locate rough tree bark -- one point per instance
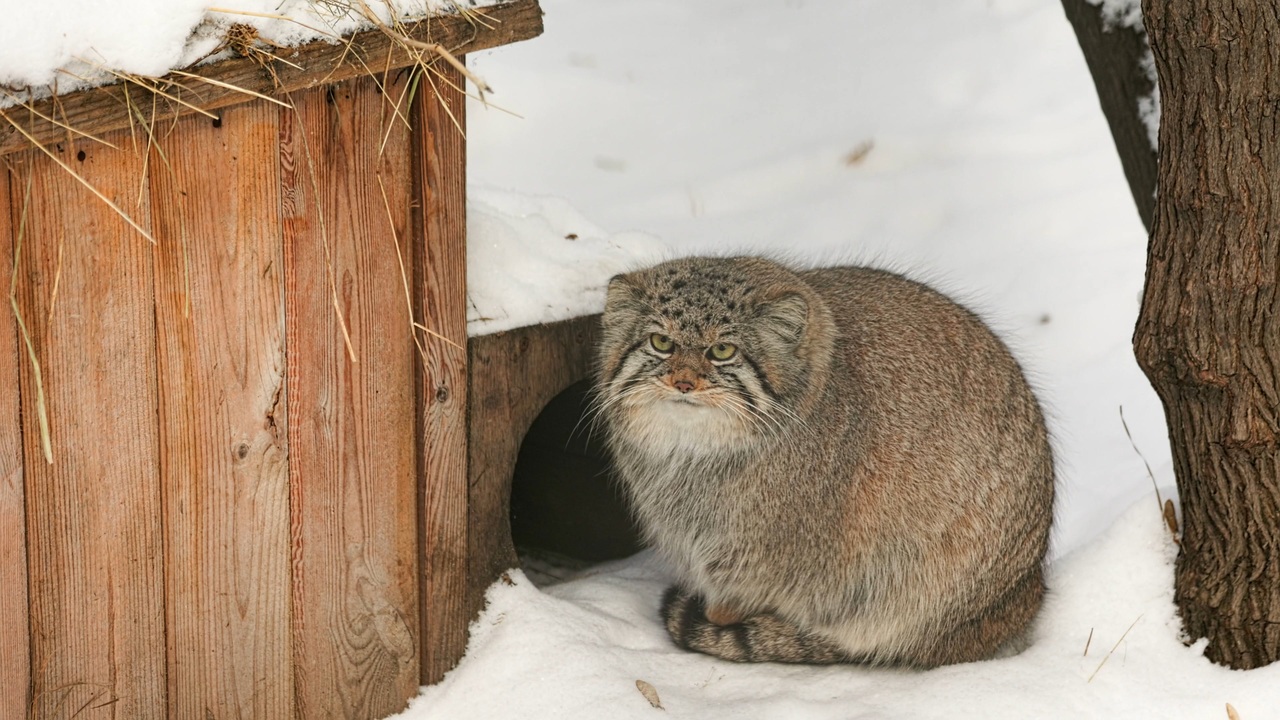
(1115, 56)
(1208, 335)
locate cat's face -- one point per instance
(698, 353)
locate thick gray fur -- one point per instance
(868, 479)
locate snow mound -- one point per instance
(577, 649)
(537, 260)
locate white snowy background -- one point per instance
(960, 142)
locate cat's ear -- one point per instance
(621, 295)
(787, 316)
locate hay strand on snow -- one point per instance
(439, 50)
(272, 16)
(1165, 506)
(1107, 657)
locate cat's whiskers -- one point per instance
(773, 420)
(786, 412)
(602, 402)
(742, 407)
(592, 416)
(730, 402)
(762, 423)
(628, 394)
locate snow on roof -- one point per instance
(65, 45)
(535, 259)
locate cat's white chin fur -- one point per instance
(668, 423)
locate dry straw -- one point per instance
(1110, 652)
(1164, 506)
(244, 41)
(42, 414)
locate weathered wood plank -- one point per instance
(95, 543)
(99, 110)
(513, 377)
(352, 467)
(15, 671)
(223, 452)
(441, 273)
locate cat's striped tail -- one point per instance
(758, 638)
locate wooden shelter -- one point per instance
(234, 461)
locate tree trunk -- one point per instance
(1208, 335)
(1115, 56)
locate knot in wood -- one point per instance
(1253, 436)
(442, 393)
(1209, 377)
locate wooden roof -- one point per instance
(101, 109)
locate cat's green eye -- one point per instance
(661, 343)
(722, 351)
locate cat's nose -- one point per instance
(683, 386)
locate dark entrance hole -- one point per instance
(567, 510)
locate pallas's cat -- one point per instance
(841, 465)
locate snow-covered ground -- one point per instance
(1106, 647)
(960, 142)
